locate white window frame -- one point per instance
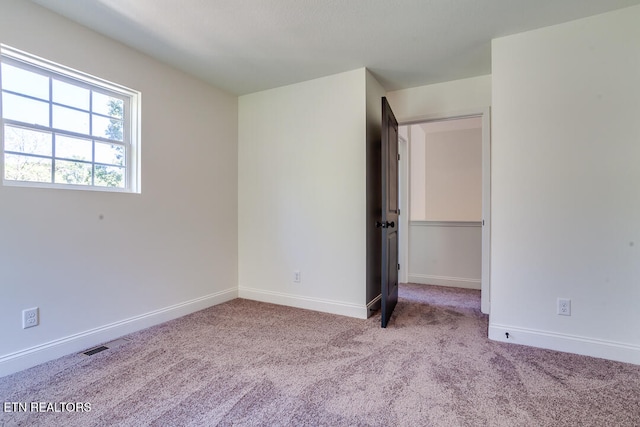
(131, 120)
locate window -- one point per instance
(66, 129)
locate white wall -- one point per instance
(445, 253)
(417, 173)
(566, 205)
(442, 99)
(156, 255)
(446, 173)
(302, 194)
(453, 177)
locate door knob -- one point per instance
(385, 224)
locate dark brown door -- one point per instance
(389, 221)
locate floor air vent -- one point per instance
(107, 346)
(95, 350)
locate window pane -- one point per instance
(26, 168)
(107, 128)
(25, 82)
(71, 120)
(68, 94)
(72, 173)
(25, 110)
(110, 176)
(73, 148)
(27, 141)
(107, 105)
(62, 129)
(111, 154)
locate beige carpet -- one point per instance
(249, 363)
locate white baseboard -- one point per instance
(36, 355)
(610, 350)
(308, 303)
(452, 282)
(374, 305)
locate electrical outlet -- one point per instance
(296, 276)
(564, 306)
(30, 318)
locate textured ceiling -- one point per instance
(244, 46)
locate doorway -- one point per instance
(445, 233)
